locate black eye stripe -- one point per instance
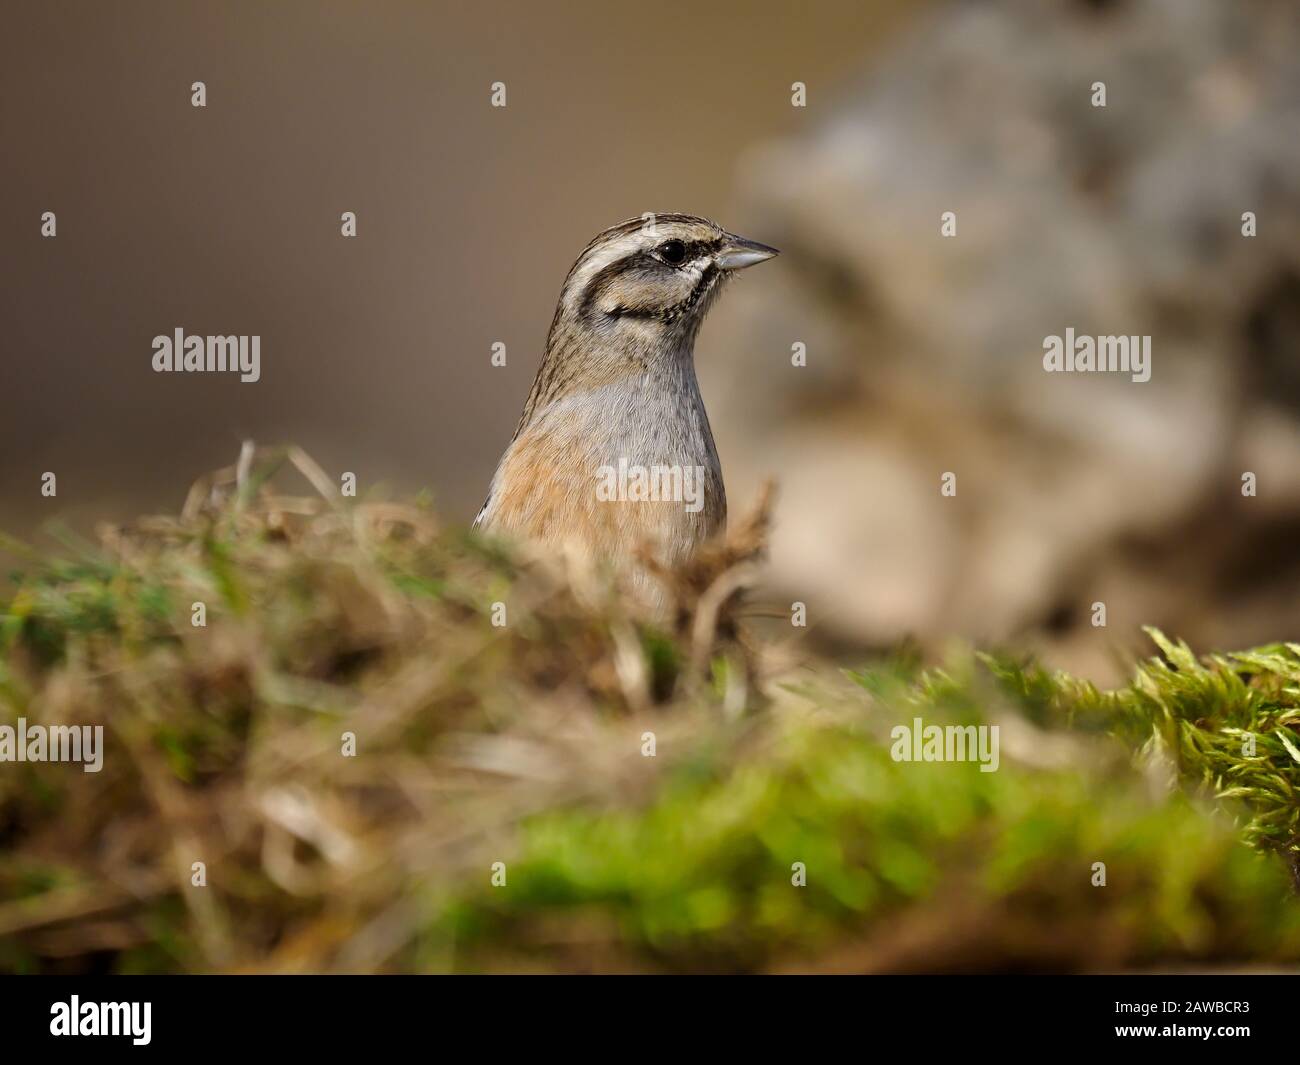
(643, 260)
(669, 314)
(693, 249)
(607, 275)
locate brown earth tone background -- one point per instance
(924, 354)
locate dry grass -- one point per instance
(523, 744)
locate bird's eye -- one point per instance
(673, 251)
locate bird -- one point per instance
(613, 453)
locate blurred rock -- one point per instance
(925, 352)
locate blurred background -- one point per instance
(923, 352)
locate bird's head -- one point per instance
(650, 280)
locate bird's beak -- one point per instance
(738, 253)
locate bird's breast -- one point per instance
(613, 468)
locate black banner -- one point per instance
(151, 1015)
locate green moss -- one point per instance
(778, 833)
